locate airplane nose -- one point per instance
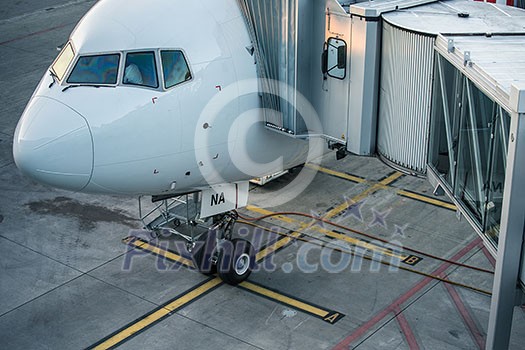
(53, 145)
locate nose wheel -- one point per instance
(232, 258)
(235, 261)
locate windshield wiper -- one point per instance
(90, 85)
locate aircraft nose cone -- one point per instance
(53, 145)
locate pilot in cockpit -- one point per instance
(132, 75)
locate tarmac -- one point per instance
(78, 271)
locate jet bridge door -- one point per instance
(333, 84)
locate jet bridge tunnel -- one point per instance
(302, 49)
(434, 88)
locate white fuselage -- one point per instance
(136, 140)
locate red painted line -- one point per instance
(489, 256)
(404, 297)
(36, 33)
(405, 328)
(344, 344)
(477, 334)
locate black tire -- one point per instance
(236, 261)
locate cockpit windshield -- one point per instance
(137, 68)
(62, 62)
(95, 69)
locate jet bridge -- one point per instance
(436, 86)
(325, 53)
(302, 49)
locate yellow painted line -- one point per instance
(380, 185)
(330, 214)
(427, 199)
(285, 299)
(385, 183)
(326, 315)
(340, 208)
(361, 243)
(336, 173)
(263, 253)
(335, 235)
(344, 206)
(337, 210)
(158, 251)
(354, 241)
(158, 314)
(263, 212)
(391, 178)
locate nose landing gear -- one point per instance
(209, 241)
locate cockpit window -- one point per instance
(174, 67)
(140, 69)
(63, 60)
(98, 69)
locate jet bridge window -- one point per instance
(97, 69)
(141, 70)
(175, 68)
(334, 58)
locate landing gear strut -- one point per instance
(209, 241)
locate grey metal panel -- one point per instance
(364, 86)
(510, 241)
(405, 97)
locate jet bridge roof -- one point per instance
(492, 35)
(372, 9)
(495, 63)
(459, 17)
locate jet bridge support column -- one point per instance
(364, 75)
(365, 58)
(505, 291)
